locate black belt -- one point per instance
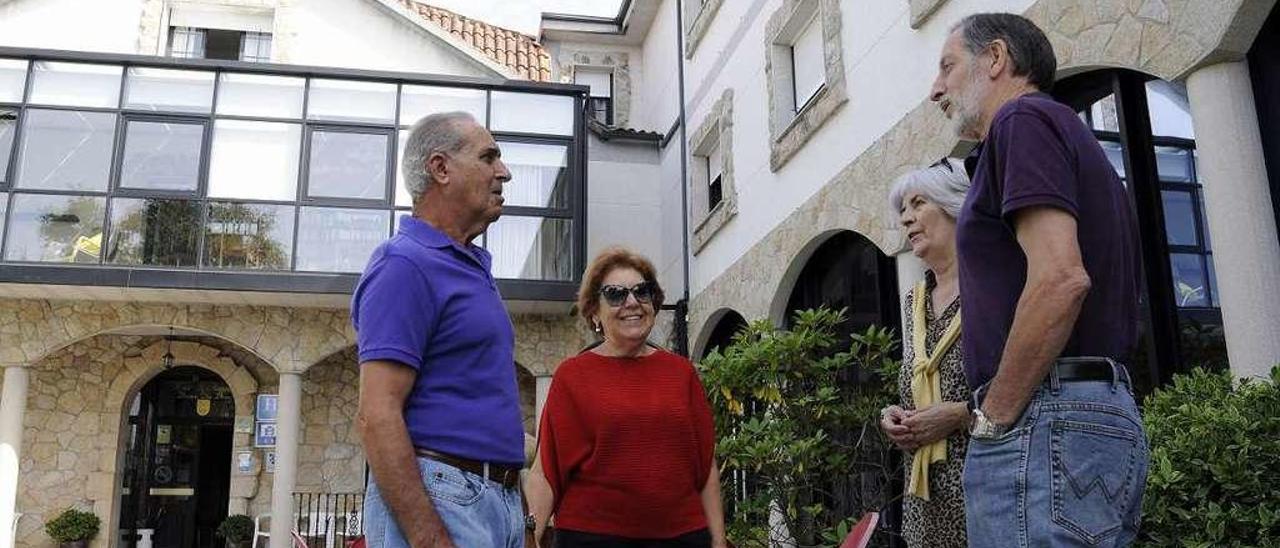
(503, 475)
(1089, 369)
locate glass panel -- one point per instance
(331, 239)
(348, 165)
(254, 160)
(169, 90)
(8, 123)
(1169, 110)
(1104, 114)
(1115, 153)
(13, 80)
(1179, 217)
(4, 207)
(352, 101)
(1188, 279)
(76, 84)
(1204, 222)
(1173, 164)
(256, 47)
(260, 95)
(186, 43)
(402, 195)
(1213, 280)
(248, 236)
(66, 150)
(531, 248)
(539, 175)
(532, 113)
(60, 229)
(807, 65)
(161, 156)
(417, 102)
(153, 232)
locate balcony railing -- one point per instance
(239, 171)
(329, 520)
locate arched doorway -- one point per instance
(729, 324)
(848, 271)
(1144, 126)
(176, 473)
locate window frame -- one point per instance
(202, 276)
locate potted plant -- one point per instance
(73, 528)
(237, 529)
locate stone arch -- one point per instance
(782, 289)
(290, 339)
(141, 369)
(718, 321)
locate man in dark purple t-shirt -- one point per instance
(1048, 260)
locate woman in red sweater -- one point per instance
(626, 446)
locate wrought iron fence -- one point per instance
(329, 520)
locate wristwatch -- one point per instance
(984, 428)
(530, 523)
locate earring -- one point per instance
(598, 329)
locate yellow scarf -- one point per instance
(926, 388)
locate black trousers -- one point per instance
(577, 539)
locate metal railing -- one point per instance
(329, 520)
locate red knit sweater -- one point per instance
(626, 444)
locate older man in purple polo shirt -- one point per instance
(1048, 258)
(439, 412)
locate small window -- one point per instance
(715, 178)
(161, 155)
(248, 236)
(348, 164)
(154, 232)
(600, 105)
(230, 45)
(807, 64)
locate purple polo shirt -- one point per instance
(1039, 153)
(432, 304)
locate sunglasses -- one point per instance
(943, 163)
(616, 295)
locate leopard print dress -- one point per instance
(939, 521)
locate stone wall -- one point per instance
(1165, 38)
(77, 400)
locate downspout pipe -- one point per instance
(682, 305)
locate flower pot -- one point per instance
(75, 544)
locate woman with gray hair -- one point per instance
(931, 423)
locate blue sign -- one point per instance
(268, 407)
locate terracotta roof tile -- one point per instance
(519, 52)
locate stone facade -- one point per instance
(1165, 38)
(715, 131)
(697, 19)
(790, 130)
(922, 9)
(76, 405)
(290, 339)
(618, 62)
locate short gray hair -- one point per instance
(1029, 49)
(440, 132)
(944, 183)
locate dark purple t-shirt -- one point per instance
(1039, 153)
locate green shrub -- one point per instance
(73, 525)
(797, 424)
(1215, 462)
(236, 529)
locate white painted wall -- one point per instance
(363, 34)
(98, 25)
(883, 87)
(623, 198)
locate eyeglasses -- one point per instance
(943, 163)
(616, 295)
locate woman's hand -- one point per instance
(891, 423)
(935, 422)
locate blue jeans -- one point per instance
(477, 512)
(1070, 472)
